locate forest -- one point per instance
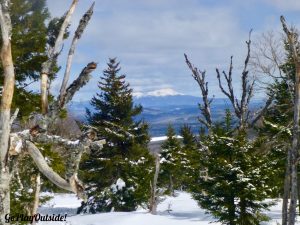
(240, 168)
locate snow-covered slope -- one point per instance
(180, 210)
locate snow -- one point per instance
(157, 93)
(180, 210)
(163, 138)
(119, 185)
(62, 201)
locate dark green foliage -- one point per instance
(192, 154)
(29, 38)
(276, 132)
(172, 160)
(125, 157)
(235, 177)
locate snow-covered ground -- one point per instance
(180, 210)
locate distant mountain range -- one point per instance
(160, 111)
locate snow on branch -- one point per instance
(73, 185)
(27, 138)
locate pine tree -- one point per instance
(171, 157)
(119, 175)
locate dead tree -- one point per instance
(52, 56)
(5, 114)
(199, 77)
(240, 106)
(13, 144)
(154, 199)
(290, 187)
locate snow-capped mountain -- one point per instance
(157, 93)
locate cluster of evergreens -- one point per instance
(227, 172)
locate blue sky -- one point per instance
(149, 38)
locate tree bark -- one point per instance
(154, 196)
(171, 185)
(286, 193)
(82, 25)
(6, 100)
(36, 196)
(53, 53)
(294, 150)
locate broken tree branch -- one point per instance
(41, 163)
(199, 76)
(79, 31)
(52, 55)
(262, 111)
(82, 80)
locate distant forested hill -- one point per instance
(159, 111)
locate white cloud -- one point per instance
(149, 37)
(287, 5)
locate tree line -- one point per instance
(231, 167)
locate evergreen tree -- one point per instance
(32, 35)
(237, 179)
(192, 156)
(119, 175)
(171, 162)
(28, 47)
(277, 128)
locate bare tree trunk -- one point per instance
(294, 150)
(44, 93)
(287, 189)
(154, 197)
(36, 196)
(171, 185)
(82, 25)
(53, 53)
(6, 100)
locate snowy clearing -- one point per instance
(184, 211)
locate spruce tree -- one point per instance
(171, 159)
(190, 165)
(238, 177)
(119, 175)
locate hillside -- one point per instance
(160, 111)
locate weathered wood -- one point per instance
(82, 80)
(6, 100)
(80, 29)
(241, 107)
(45, 169)
(36, 196)
(52, 56)
(199, 77)
(154, 195)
